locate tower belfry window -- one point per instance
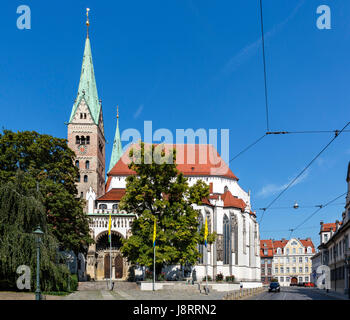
(88, 140)
(82, 140)
(77, 140)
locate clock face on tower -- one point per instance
(82, 149)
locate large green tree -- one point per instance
(159, 191)
(49, 167)
(21, 210)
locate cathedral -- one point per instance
(236, 250)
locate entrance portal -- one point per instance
(118, 262)
(294, 281)
(107, 267)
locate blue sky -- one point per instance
(197, 64)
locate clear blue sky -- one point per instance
(197, 64)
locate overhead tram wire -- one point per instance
(315, 206)
(311, 215)
(247, 148)
(302, 172)
(336, 132)
(264, 63)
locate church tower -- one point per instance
(85, 129)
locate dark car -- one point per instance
(274, 286)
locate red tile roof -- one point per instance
(231, 201)
(113, 195)
(109, 180)
(272, 245)
(326, 227)
(308, 243)
(191, 160)
(279, 243)
(266, 245)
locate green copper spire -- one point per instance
(87, 86)
(117, 151)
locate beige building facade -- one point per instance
(291, 260)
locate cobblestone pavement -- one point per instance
(24, 296)
(144, 295)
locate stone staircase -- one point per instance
(103, 285)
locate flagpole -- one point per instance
(154, 254)
(110, 262)
(206, 270)
(206, 251)
(154, 266)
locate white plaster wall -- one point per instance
(100, 224)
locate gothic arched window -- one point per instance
(227, 237)
(77, 140)
(88, 140)
(225, 189)
(244, 236)
(86, 179)
(234, 233)
(87, 164)
(82, 140)
(77, 163)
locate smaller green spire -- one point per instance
(117, 151)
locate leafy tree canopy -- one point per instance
(21, 211)
(159, 191)
(49, 167)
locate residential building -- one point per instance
(335, 247)
(266, 257)
(291, 260)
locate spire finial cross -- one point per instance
(87, 21)
(117, 112)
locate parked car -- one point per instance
(309, 284)
(274, 286)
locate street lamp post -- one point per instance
(38, 234)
